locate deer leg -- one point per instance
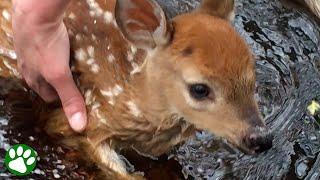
(108, 161)
(92, 145)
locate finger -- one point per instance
(39, 85)
(72, 101)
(46, 91)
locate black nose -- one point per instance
(259, 142)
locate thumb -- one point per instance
(72, 101)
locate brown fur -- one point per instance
(223, 9)
(314, 6)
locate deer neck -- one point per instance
(144, 98)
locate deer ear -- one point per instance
(220, 8)
(143, 23)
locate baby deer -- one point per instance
(153, 90)
(314, 6)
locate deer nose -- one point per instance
(259, 140)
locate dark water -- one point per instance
(286, 42)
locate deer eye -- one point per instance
(199, 91)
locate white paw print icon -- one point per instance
(21, 160)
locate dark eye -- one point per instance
(199, 91)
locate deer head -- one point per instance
(199, 67)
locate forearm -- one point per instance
(39, 11)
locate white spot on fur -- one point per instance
(133, 49)
(132, 53)
(106, 93)
(85, 28)
(112, 102)
(134, 110)
(101, 118)
(135, 69)
(111, 58)
(90, 61)
(88, 97)
(90, 50)
(99, 12)
(93, 37)
(72, 16)
(81, 55)
(112, 93)
(95, 68)
(95, 106)
(6, 15)
(78, 37)
(92, 13)
(103, 121)
(130, 57)
(108, 17)
(95, 9)
(117, 90)
(8, 53)
(12, 54)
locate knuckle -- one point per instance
(56, 75)
(73, 104)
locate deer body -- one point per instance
(314, 6)
(153, 90)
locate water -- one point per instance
(286, 43)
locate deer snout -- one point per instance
(258, 140)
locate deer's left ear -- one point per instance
(220, 8)
(143, 22)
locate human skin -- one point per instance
(42, 45)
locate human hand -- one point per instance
(42, 44)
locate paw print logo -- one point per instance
(20, 160)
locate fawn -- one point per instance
(314, 6)
(149, 83)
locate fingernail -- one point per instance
(78, 122)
